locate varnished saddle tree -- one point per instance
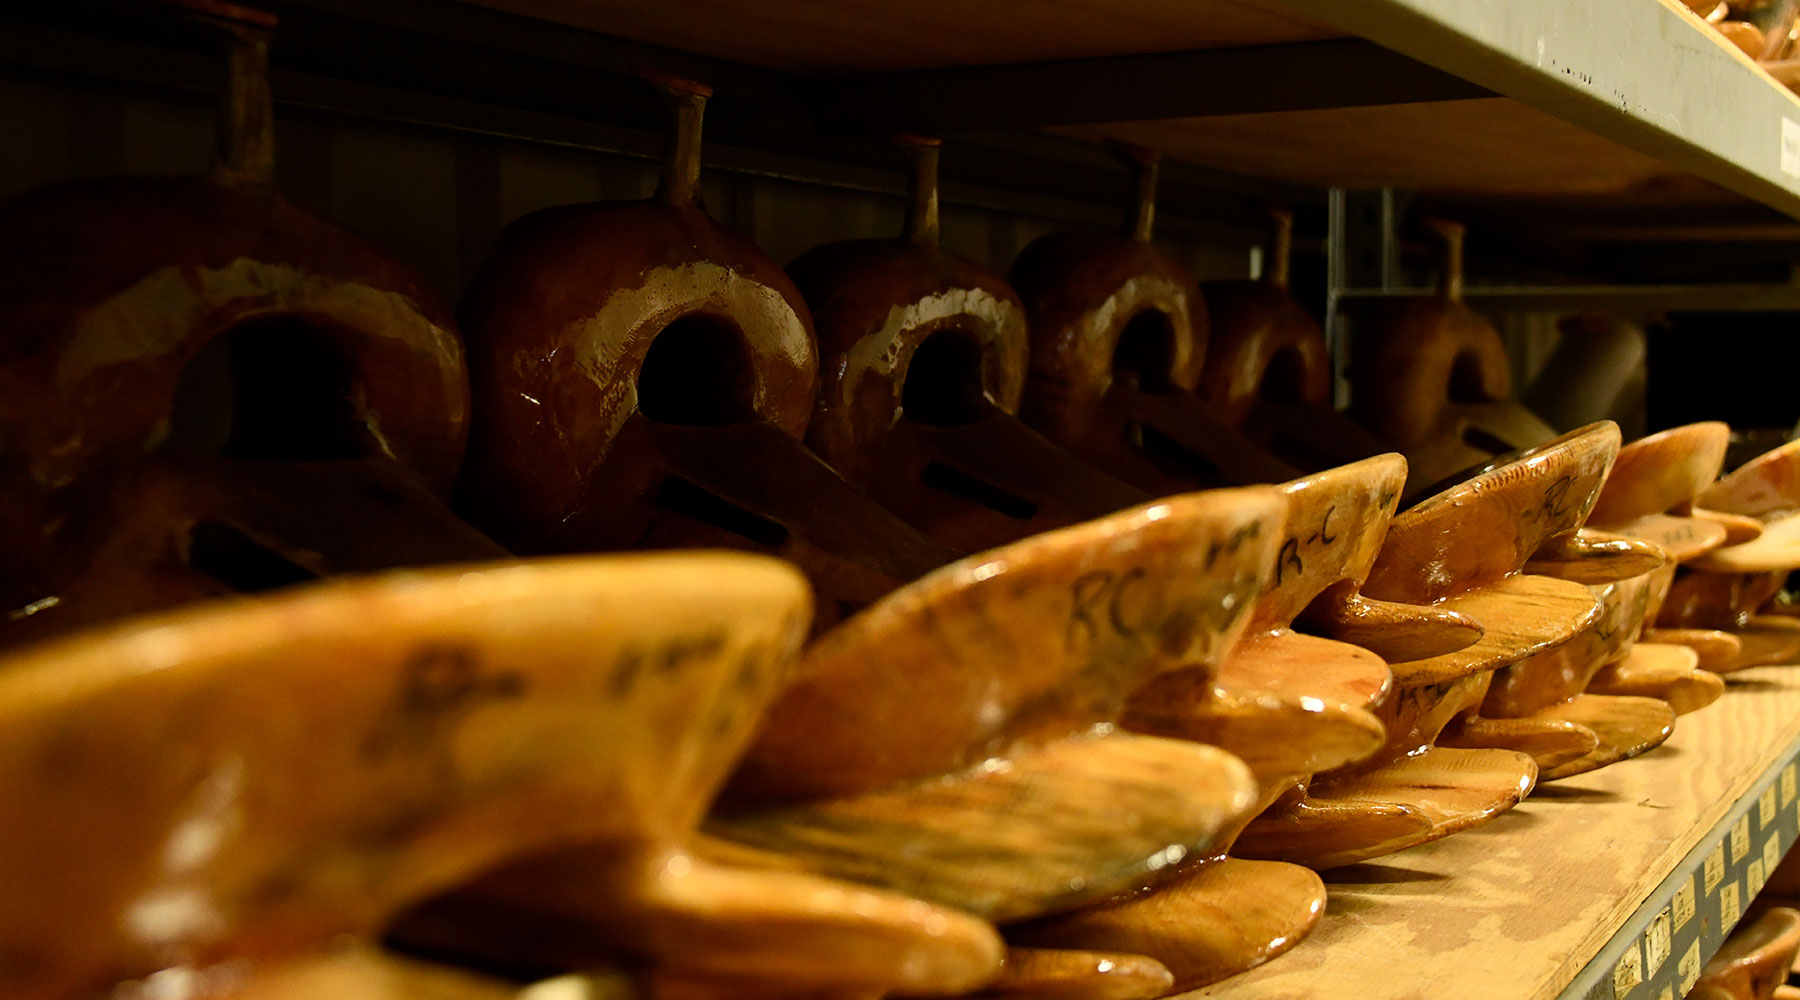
(642, 377)
(1464, 550)
(351, 749)
(1013, 796)
(924, 354)
(1537, 702)
(1119, 338)
(1268, 369)
(1650, 494)
(204, 389)
(1729, 586)
(883, 313)
(1430, 377)
(1754, 962)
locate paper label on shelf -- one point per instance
(1729, 910)
(1787, 785)
(1689, 967)
(1771, 853)
(1683, 904)
(1629, 972)
(1715, 868)
(1658, 941)
(1664, 994)
(1753, 877)
(1740, 839)
(1765, 808)
(1790, 147)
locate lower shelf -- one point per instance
(1616, 885)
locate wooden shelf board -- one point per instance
(861, 36)
(1518, 907)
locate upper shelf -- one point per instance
(1631, 101)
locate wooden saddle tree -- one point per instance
(205, 390)
(1730, 586)
(1464, 550)
(1119, 338)
(924, 352)
(1028, 655)
(1268, 369)
(885, 311)
(1754, 962)
(1650, 494)
(642, 379)
(351, 748)
(1431, 379)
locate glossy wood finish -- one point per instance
(924, 355)
(643, 377)
(1118, 340)
(1268, 369)
(353, 747)
(1767, 488)
(1068, 974)
(1754, 961)
(1022, 651)
(1433, 381)
(111, 289)
(1667, 671)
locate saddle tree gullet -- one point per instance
(206, 389)
(1433, 381)
(1028, 653)
(1731, 585)
(1528, 510)
(1119, 338)
(881, 300)
(1650, 494)
(1268, 368)
(884, 311)
(353, 747)
(923, 353)
(642, 379)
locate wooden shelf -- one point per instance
(1549, 899)
(1631, 101)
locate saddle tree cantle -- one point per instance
(1650, 494)
(1432, 380)
(206, 390)
(890, 301)
(1729, 586)
(1119, 337)
(642, 379)
(1268, 368)
(353, 747)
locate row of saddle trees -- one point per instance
(1101, 732)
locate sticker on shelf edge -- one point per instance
(1787, 785)
(1658, 942)
(1790, 147)
(1771, 853)
(1729, 910)
(1715, 868)
(1765, 808)
(1682, 906)
(1629, 972)
(1689, 967)
(1740, 839)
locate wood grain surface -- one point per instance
(1516, 907)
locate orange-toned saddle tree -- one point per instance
(1650, 494)
(1268, 368)
(897, 301)
(1431, 378)
(206, 390)
(1465, 551)
(1731, 585)
(352, 748)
